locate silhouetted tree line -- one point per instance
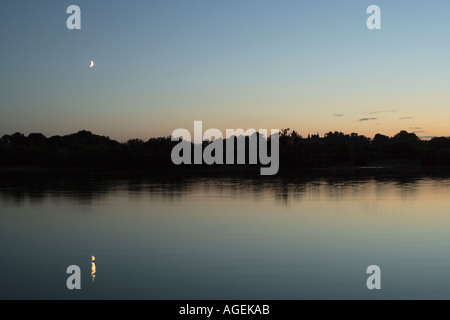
(84, 149)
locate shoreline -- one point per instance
(192, 171)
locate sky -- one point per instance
(312, 66)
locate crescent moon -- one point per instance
(92, 64)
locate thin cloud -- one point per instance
(383, 111)
(367, 119)
(404, 118)
(338, 115)
(426, 137)
(415, 128)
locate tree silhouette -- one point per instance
(85, 149)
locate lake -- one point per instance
(225, 237)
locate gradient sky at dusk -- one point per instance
(308, 65)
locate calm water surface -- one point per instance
(225, 238)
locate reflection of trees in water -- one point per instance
(83, 187)
(35, 187)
